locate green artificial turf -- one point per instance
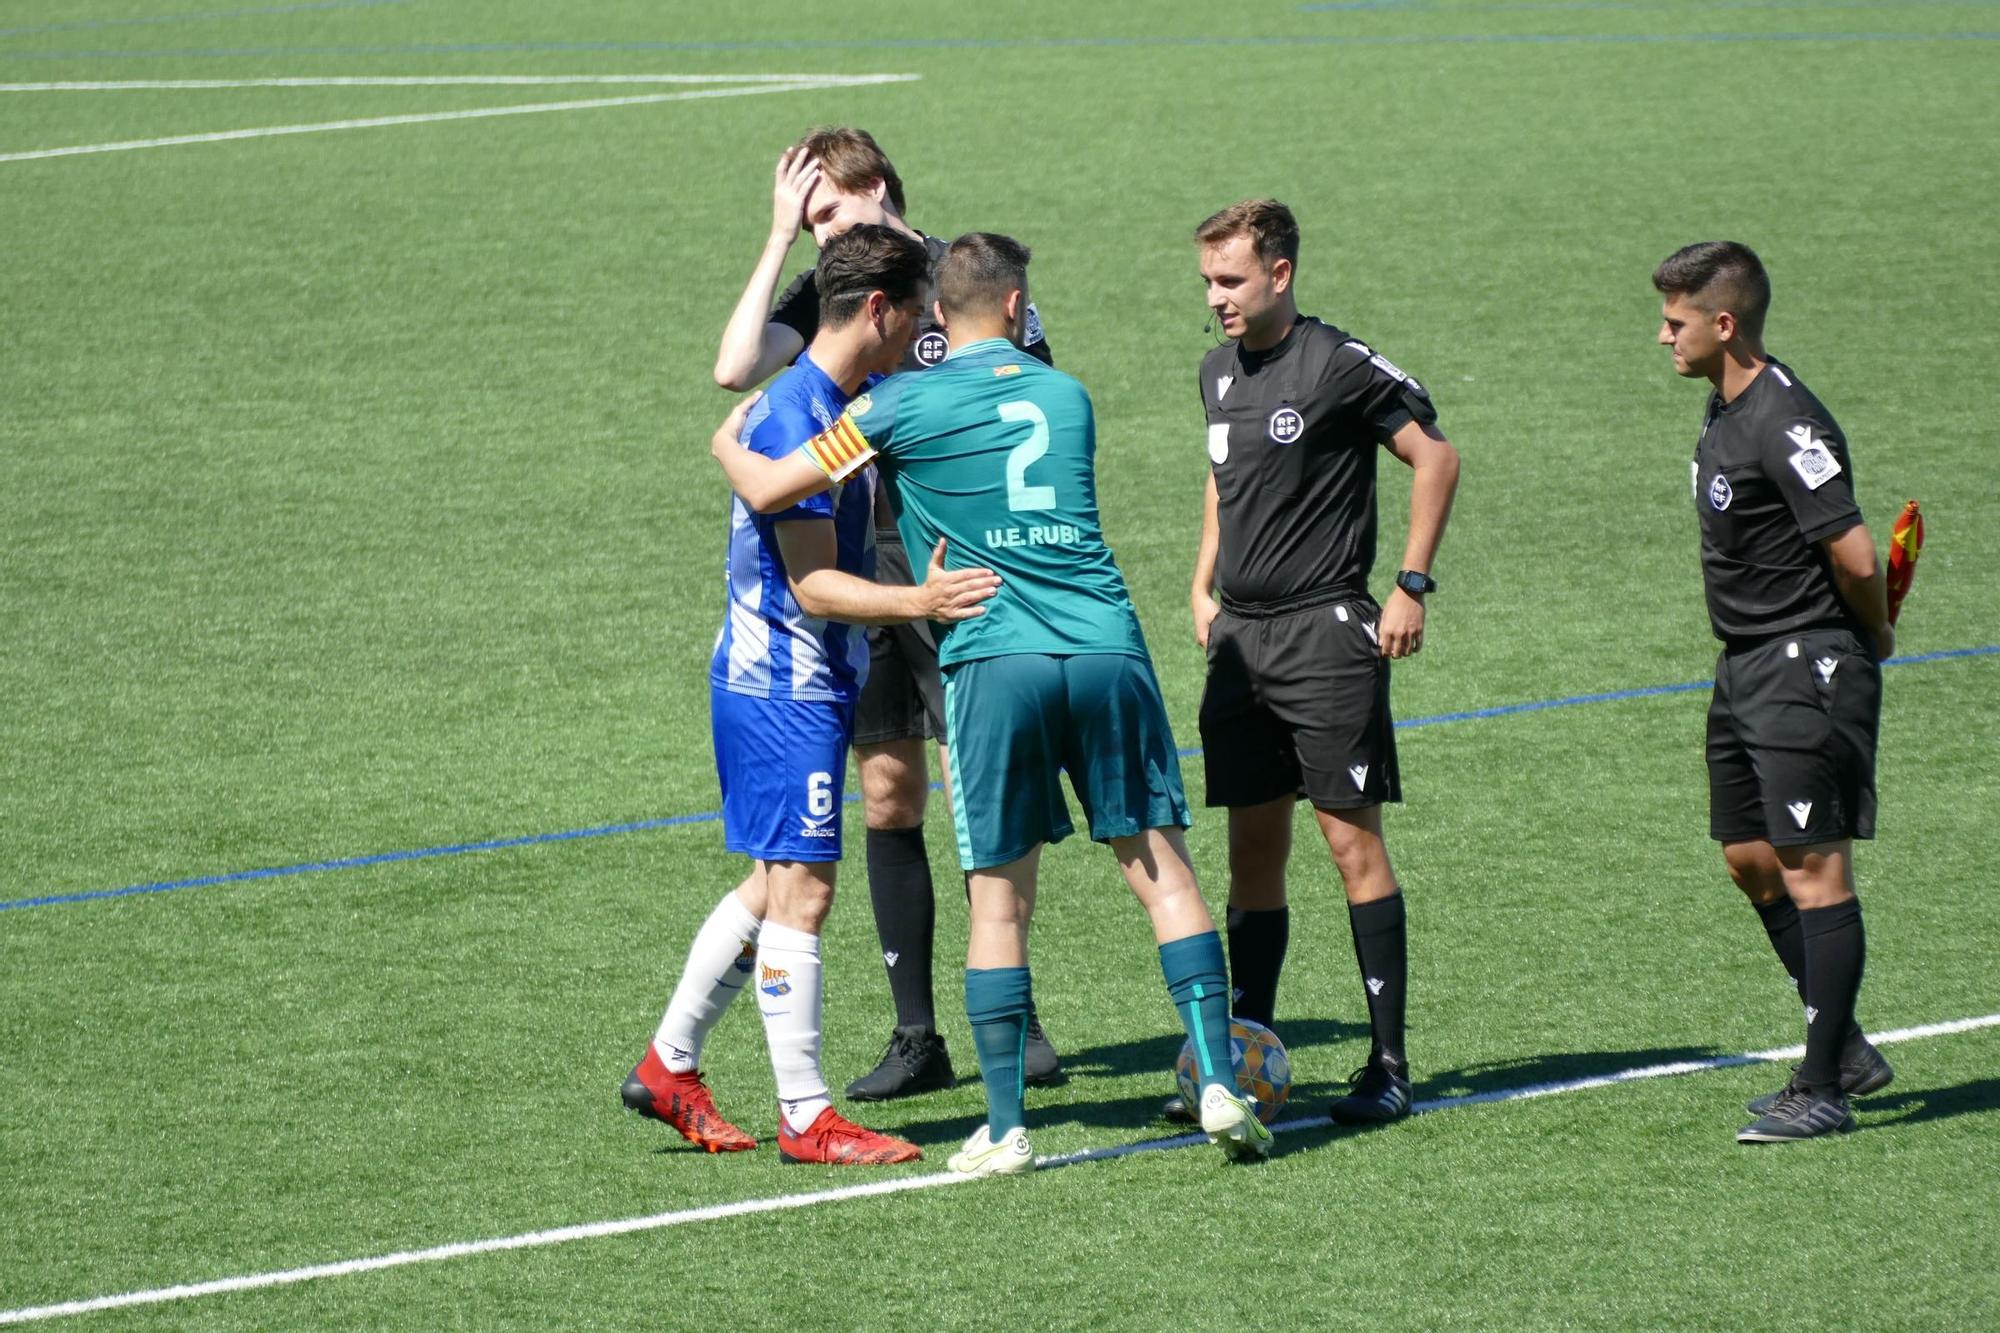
(357, 502)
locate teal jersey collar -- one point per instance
(981, 345)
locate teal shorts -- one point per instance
(1018, 723)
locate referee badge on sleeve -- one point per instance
(1218, 441)
(1813, 461)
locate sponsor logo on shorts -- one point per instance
(931, 347)
(817, 828)
(890, 956)
(1359, 772)
(775, 981)
(1801, 811)
(1286, 425)
(1826, 666)
(1719, 493)
(1811, 1014)
(1374, 985)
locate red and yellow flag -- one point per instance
(839, 450)
(1906, 543)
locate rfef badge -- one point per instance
(1286, 426)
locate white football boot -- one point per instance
(981, 1156)
(1233, 1126)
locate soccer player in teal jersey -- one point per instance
(992, 453)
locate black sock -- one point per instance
(1381, 949)
(1781, 923)
(1256, 956)
(899, 886)
(1835, 948)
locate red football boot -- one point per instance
(838, 1141)
(684, 1102)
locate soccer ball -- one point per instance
(1263, 1069)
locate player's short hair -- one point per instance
(864, 259)
(1273, 231)
(851, 159)
(978, 271)
(1719, 275)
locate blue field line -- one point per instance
(711, 816)
(264, 11)
(1009, 43)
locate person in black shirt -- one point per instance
(831, 180)
(1797, 597)
(1297, 698)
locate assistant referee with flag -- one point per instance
(1798, 599)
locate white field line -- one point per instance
(438, 81)
(902, 1185)
(476, 113)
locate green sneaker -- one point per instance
(981, 1156)
(1231, 1125)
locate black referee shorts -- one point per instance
(1298, 703)
(903, 697)
(1791, 740)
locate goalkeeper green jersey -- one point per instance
(994, 452)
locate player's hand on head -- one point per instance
(792, 185)
(1401, 629)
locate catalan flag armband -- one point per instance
(840, 450)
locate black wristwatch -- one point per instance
(1414, 583)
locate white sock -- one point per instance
(788, 993)
(719, 962)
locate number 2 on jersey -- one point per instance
(1020, 495)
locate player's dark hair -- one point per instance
(978, 271)
(1273, 231)
(851, 159)
(1719, 275)
(864, 259)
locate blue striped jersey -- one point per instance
(768, 645)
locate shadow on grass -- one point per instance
(1132, 1114)
(1532, 1070)
(1920, 1104)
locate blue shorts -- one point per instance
(783, 765)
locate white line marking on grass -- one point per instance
(901, 1185)
(442, 81)
(817, 82)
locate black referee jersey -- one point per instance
(1292, 437)
(1772, 479)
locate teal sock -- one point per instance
(998, 1001)
(1198, 981)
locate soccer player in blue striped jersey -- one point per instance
(993, 451)
(787, 668)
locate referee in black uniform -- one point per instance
(1297, 699)
(833, 179)
(1798, 600)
